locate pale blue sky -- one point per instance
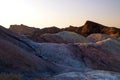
(61, 13)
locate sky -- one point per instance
(60, 13)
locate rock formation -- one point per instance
(92, 27)
(102, 54)
(98, 37)
(15, 54)
(88, 28)
(19, 54)
(23, 29)
(61, 54)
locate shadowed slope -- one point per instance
(50, 38)
(13, 57)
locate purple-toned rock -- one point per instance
(102, 55)
(19, 54)
(15, 54)
(62, 54)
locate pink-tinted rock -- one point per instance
(102, 55)
(23, 29)
(98, 37)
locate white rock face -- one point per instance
(91, 75)
(60, 54)
(72, 37)
(104, 75)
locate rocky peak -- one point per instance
(91, 27)
(22, 29)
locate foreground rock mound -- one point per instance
(14, 54)
(14, 58)
(18, 54)
(62, 54)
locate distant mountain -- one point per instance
(39, 32)
(92, 27)
(88, 28)
(23, 29)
